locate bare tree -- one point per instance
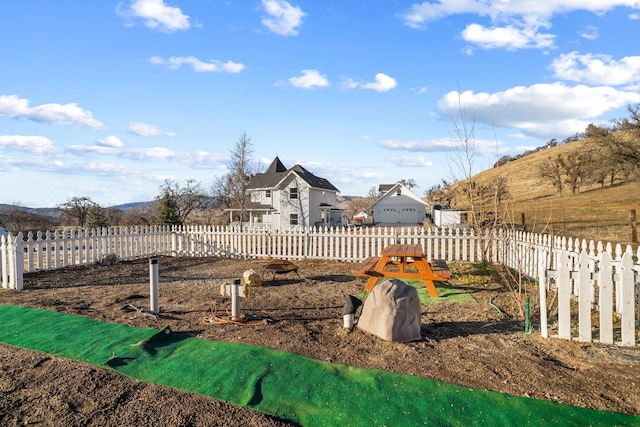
(409, 183)
(75, 210)
(575, 167)
(484, 200)
(187, 198)
(551, 170)
(373, 192)
(230, 190)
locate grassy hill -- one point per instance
(598, 213)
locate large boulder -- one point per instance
(392, 312)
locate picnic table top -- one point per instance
(403, 250)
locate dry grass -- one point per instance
(595, 213)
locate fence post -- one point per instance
(584, 298)
(542, 289)
(605, 292)
(564, 297)
(627, 302)
(4, 262)
(19, 262)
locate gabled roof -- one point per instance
(276, 166)
(404, 191)
(383, 188)
(277, 172)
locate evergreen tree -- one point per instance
(96, 217)
(168, 210)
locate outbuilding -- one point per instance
(398, 206)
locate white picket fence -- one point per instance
(588, 290)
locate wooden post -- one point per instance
(524, 224)
(633, 223)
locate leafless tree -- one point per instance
(230, 190)
(551, 170)
(187, 198)
(75, 210)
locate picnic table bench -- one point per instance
(402, 256)
(279, 266)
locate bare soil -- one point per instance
(474, 344)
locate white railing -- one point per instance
(339, 244)
(589, 281)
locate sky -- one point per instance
(111, 99)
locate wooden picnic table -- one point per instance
(409, 262)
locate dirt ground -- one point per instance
(472, 344)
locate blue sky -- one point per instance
(109, 99)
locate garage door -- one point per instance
(409, 216)
(390, 215)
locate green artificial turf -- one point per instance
(447, 293)
(303, 390)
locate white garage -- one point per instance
(398, 206)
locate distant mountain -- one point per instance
(55, 213)
(134, 205)
(50, 212)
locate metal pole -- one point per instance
(153, 285)
(235, 300)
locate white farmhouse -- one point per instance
(283, 198)
(398, 205)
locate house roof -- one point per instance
(277, 172)
(404, 191)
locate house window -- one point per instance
(293, 219)
(267, 194)
(293, 193)
(399, 192)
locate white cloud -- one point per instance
(597, 69)
(348, 83)
(204, 160)
(411, 161)
(309, 79)
(509, 37)
(144, 129)
(84, 150)
(156, 15)
(281, 17)
(153, 153)
(30, 144)
(442, 145)
(197, 65)
(589, 33)
(112, 146)
(383, 83)
(419, 14)
(32, 163)
(516, 24)
(541, 110)
(110, 141)
(57, 114)
(430, 146)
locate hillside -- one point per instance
(598, 213)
